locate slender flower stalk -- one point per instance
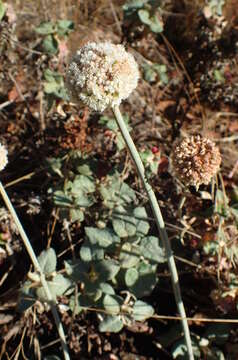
(160, 225)
(38, 269)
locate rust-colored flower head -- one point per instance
(101, 75)
(3, 157)
(195, 160)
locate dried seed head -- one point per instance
(3, 157)
(101, 75)
(195, 160)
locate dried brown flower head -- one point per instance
(195, 160)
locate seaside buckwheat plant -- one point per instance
(3, 157)
(101, 75)
(195, 160)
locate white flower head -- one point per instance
(3, 157)
(101, 75)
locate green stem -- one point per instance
(38, 269)
(160, 225)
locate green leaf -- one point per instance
(126, 223)
(54, 85)
(107, 269)
(154, 22)
(92, 290)
(76, 215)
(62, 199)
(50, 45)
(51, 87)
(64, 27)
(142, 226)
(129, 255)
(120, 142)
(132, 5)
(76, 269)
(48, 261)
(116, 193)
(102, 237)
(151, 250)
(111, 304)
(110, 323)
(102, 270)
(216, 6)
(27, 297)
(91, 252)
(58, 287)
(107, 289)
(144, 16)
(162, 72)
(83, 183)
(53, 76)
(142, 310)
(131, 276)
(219, 76)
(123, 225)
(84, 169)
(45, 28)
(149, 73)
(146, 281)
(3, 8)
(74, 306)
(221, 203)
(82, 200)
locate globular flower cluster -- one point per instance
(195, 160)
(3, 157)
(101, 75)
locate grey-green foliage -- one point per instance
(155, 73)
(57, 283)
(75, 192)
(110, 262)
(54, 87)
(51, 32)
(116, 193)
(147, 11)
(75, 197)
(118, 254)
